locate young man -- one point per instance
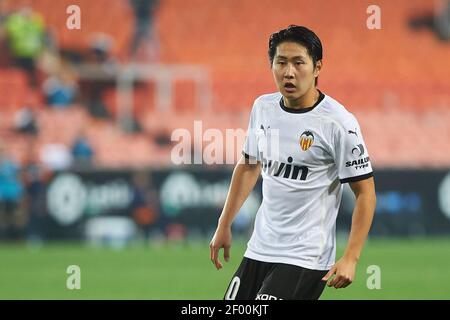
(318, 147)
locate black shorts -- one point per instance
(257, 280)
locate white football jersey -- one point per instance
(306, 156)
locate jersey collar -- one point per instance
(302, 110)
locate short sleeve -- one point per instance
(250, 150)
(351, 154)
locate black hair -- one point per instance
(298, 34)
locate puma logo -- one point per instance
(353, 132)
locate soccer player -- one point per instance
(318, 146)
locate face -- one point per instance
(293, 70)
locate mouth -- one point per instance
(289, 87)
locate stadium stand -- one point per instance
(394, 79)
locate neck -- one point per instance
(305, 101)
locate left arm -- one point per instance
(344, 269)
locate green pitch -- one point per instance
(410, 269)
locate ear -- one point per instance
(318, 68)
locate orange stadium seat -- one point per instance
(113, 18)
(392, 78)
(371, 61)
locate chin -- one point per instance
(290, 95)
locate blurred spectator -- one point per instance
(34, 179)
(61, 87)
(25, 121)
(101, 52)
(26, 34)
(97, 107)
(438, 22)
(162, 138)
(130, 124)
(11, 190)
(441, 24)
(5, 58)
(82, 152)
(144, 203)
(100, 57)
(4, 13)
(144, 34)
(56, 157)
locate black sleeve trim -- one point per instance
(357, 178)
(250, 159)
(247, 156)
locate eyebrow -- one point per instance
(293, 58)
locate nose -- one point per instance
(289, 72)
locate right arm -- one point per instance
(245, 176)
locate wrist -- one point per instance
(351, 256)
(224, 223)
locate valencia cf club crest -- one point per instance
(306, 140)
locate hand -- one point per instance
(221, 239)
(344, 271)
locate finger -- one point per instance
(218, 264)
(332, 281)
(226, 253)
(342, 282)
(339, 282)
(347, 282)
(329, 274)
(211, 252)
(215, 257)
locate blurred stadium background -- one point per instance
(86, 117)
